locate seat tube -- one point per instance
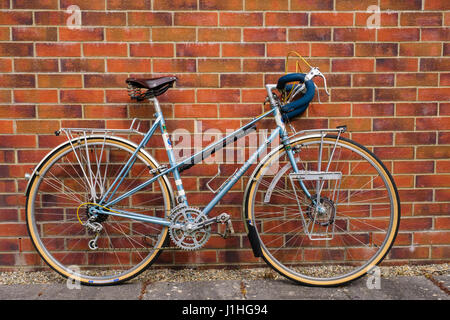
(181, 195)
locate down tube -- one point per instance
(240, 172)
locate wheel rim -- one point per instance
(358, 241)
(125, 247)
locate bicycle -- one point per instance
(100, 209)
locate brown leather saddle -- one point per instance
(155, 87)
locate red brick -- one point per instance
(396, 94)
(413, 167)
(193, 111)
(266, 5)
(18, 141)
(29, 4)
(415, 138)
(16, 111)
(174, 65)
(441, 123)
(51, 18)
(353, 95)
(175, 5)
(127, 5)
(427, 209)
(393, 124)
(376, 49)
(243, 50)
(310, 34)
(332, 50)
(286, 19)
(435, 64)
(434, 94)
(170, 34)
(354, 34)
(17, 81)
(35, 96)
(222, 95)
(36, 65)
(374, 139)
(83, 4)
(443, 166)
(435, 34)
(417, 79)
(82, 65)
(127, 34)
(401, 4)
(16, 49)
(312, 5)
(96, 18)
(34, 34)
(421, 19)
(151, 50)
(372, 110)
(263, 65)
(59, 111)
(128, 65)
(198, 50)
(37, 126)
(82, 96)
(353, 65)
(387, 19)
(58, 50)
(427, 181)
(416, 109)
(436, 5)
(149, 19)
(105, 49)
(105, 80)
(16, 17)
(331, 19)
(82, 34)
(241, 80)
(196, 19)
(197, 80)
(59, 81)
(442, 223)
(433, 152)
(373, 79)
(409, 253)
(236, 19)
(431, 237)
(219, 65)
(281, 49)
(397, 64)
(398, 34)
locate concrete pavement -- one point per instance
(396, 288)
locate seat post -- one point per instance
(156, 105)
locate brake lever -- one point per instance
(315, 72)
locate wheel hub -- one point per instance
(91, 212)
(323, 213)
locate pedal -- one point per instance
(225, 219)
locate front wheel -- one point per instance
(96, 249)
(327, 220)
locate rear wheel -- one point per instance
(339, 233)
(95, 249)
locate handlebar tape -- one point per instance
(299, 106)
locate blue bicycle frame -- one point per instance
(175, 168)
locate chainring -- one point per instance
(184, 219)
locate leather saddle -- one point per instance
(155, 86)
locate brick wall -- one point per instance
(389, 84)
